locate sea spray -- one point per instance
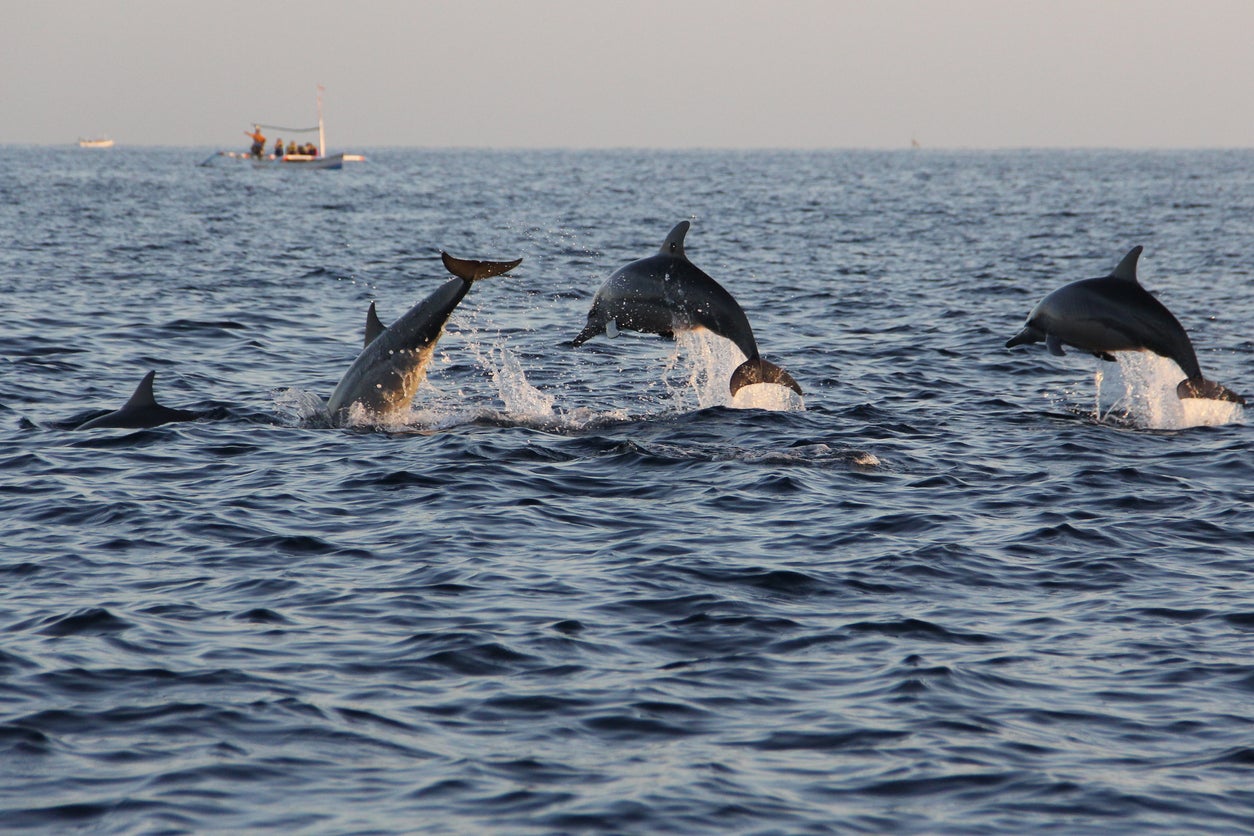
(301, 407)
(513, 388)
(708, 360)
(1142, 386)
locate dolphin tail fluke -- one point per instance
(1202, 388)
(758, 370)
(472, 271)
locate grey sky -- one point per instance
(667, 73)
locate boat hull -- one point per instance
(334, 161)
(303, 161)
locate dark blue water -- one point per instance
(955, 589)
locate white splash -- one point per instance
(1142, 386)
(695, 376)
(512, 387)
(300, 406)
(708, 360)
(503, 396)
(768, 396)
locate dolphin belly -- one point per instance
(1096, 336)
(383, 379)
(651, 316)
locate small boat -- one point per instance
(98, 142)
(318, 160)
(331, 161)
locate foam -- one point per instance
(1140, 389)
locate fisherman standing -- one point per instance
(259, 141)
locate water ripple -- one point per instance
(953, 589)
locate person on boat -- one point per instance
(259, 141)
(311, 149)
(278, 148)
(291, 146)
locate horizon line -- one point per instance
(676, 148)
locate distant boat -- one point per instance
(318, 160)
(98, 142)
(323, 161)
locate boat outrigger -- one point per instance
(305, 156)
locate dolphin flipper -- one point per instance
(758, 370)
(472, 271)
(1054, 345)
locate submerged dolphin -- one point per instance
(386, 374)
(665, 293)
(141, 411)
(1115, 313)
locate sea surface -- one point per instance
(954, 588)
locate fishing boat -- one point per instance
(319, 160)
(98, 142)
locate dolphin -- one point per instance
(141, 411)
(1114, 313)
(386, 374)
(665, 293)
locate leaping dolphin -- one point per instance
(386, 374)
(665, 293)
(1114, 313)
(140, 412)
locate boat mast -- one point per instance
(322, 134)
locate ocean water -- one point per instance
(952, 589)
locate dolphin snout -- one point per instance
(1025, 337)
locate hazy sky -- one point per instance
(598, 73)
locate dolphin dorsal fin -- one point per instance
(373, 326)
(674, 243)
(1126, 271)
(143, 396)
